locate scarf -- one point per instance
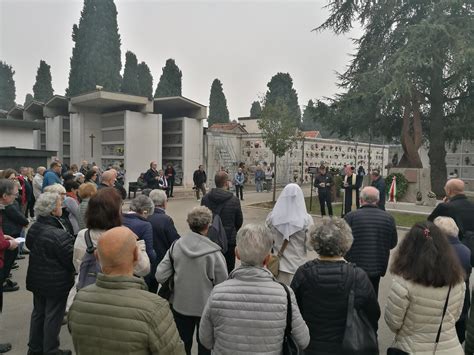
(354, 193)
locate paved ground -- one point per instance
(14, 322)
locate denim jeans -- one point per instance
(259, 185)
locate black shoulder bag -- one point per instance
(359, 336)
(289, 344)
(167, 287)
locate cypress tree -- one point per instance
(145, 81)
(28, 99)
(7, 87)
(130, 75)
(218, 111)
(170, 80)
(256, 109)
(281, 87)
(43, 88)
(96, 54)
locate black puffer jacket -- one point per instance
(375, 233)
(231, 214)
(13, 220)
(322, 291)
(50, 268)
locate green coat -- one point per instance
(118, 315)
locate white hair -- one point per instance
(57, 188)
(447, 225)
(199, 218)
(254, 242)
(142, 204)
(371, 196)
(158, 197)
(46, 203)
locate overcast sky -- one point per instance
(243, 43)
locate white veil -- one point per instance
(289, 214)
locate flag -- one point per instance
(392, 194)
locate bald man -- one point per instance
(458, 207)
(108, 179)
(118, 312)
(375, 234)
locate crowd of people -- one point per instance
(125, 281)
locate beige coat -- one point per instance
(413, 313)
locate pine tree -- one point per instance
(256, 109)
(218, 111)
(145, 81)
(281, 87)
(96, 54)
(43, 88)
(130, 75)
(170, 80)
(7, 87)
(28, 99)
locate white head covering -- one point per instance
(289, 214)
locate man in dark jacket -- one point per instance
(456, 206)
(231, 213)
(199, 179)
(379, 183)
(323, 183)
(151, 176)
(375, 233)
(164, 233)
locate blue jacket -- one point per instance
(259, 175)
(464, 256)
(164, 233)
(142, 228)
(239, 179)
(50, 178)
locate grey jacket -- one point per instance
(247, 315)
(199, 266)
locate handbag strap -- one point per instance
(442, 319)
(90, 248)
(350, 301)
(289, 315)
(283, 247)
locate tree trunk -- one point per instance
(411, 134)
(437, 151)
(275, 177)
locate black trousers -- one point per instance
(30, 207)
(325, 199)
(375, 280)
(8, 260)
(239, 189)
(46, 320)
(171, 186)
(230, 258)
(186, 326)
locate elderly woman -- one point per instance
(427, 277)
(289, 222)
(329, 279)
(450, 229)
(50, 274)
(250, 296)
(66, 221)
(196, 264)
(86, 191)
(136, 219)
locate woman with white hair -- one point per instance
(322, 287)
(196, 264)
(50, 274)
(250, 296)
(141, 208)
(451, 231)
(289, 222)
(68, 207)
